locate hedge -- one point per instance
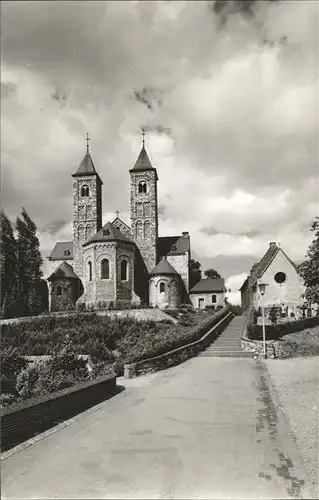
(276, 331)
(172, 338)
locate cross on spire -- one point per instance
(87, 142)
(143, 136)
(117, 213)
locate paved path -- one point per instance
(207, 428)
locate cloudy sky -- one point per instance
(229, 98)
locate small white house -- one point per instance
(208, 292)
(284, 285)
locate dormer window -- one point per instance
(67, 253)
(142, 187)
(85, 191)
(106, 232)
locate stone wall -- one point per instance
(68, 296)
(114, 288)
(144, 216)
(181, 264)
(179, 355)
(170, 297)
(21, 421)
(87, 216)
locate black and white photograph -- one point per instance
(159, 293)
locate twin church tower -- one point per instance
(118, 263)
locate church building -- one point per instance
(117, 263)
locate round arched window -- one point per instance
(280, 277)
(142, 187)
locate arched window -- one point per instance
(85, 191)
(105, 269)
(124, 270)
(162, 287)
(90, 270)
(214, 299)
(142, 188)
(59, 290)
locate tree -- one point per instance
(309, 269)
(8, 265)
(212, 274)
(29, 265)
(195, 272)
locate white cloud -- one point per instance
(240, 168)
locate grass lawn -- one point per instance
(304, 343)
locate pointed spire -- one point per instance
(86, 166)
(143, 162)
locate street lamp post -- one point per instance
(262, 289)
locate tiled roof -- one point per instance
(63, 250)
(143, 162)
(108, 233)
(260, 267)
(209, 285)
(86, 167)
(63, 271)
(266, 260)
(164, 267)
(173, 245)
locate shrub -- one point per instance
(11, 365)
(155, 343)
(80, 306)
(7, 399)
(276, 331)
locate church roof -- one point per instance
(164, 267)
(209, 285)
(108, 233)
(173, 245)
(86, 167)
(260, 267)
(63, 271)
(142, 163)
(63, 250)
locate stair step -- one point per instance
(226, 355)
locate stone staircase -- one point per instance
(228, 345)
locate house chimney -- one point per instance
(272, 244)
(185, 234)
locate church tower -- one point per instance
(144, 214)
(87, 207)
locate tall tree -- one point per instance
(212, 274)
(8, 263)
(309, 269)
(195, 272)
(30, 262)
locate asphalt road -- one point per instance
(208, 428)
